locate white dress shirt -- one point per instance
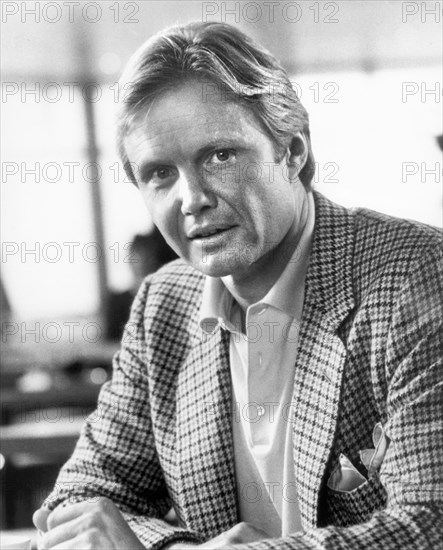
(262, 365)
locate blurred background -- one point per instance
(76, 238)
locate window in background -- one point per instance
(48, 253)
(374, 139)
(125, 214)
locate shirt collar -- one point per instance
(286, 294)
(216, 304)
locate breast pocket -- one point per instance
(357, 505)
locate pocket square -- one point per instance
(345, 477)
(373, 458)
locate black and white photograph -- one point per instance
(221, 275)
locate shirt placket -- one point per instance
(259, 394)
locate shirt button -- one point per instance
(260, 410)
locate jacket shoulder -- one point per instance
(173, 293)
(388, 249)
(386, 225)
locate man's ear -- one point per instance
(297, 155)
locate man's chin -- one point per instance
(213, 267)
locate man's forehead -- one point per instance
(234, 123)
(187, 117)
(151, 130)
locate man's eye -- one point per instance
(162, 173)
(223, 155)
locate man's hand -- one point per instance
(96, 525)
(240, 533)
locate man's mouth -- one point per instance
(208, 231)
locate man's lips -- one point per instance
(206, 231)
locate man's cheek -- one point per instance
(176, 240)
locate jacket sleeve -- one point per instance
(412, 469)
(116, 454)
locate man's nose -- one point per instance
(194, 193)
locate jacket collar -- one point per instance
(329, 279)
(204, 437)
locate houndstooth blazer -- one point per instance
(370, 352)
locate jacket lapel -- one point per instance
(321, 354)
(204, 436)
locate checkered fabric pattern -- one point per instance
(370, 351)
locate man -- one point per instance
(281, 384)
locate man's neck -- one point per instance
(253, 286)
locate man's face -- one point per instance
(207, 173)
